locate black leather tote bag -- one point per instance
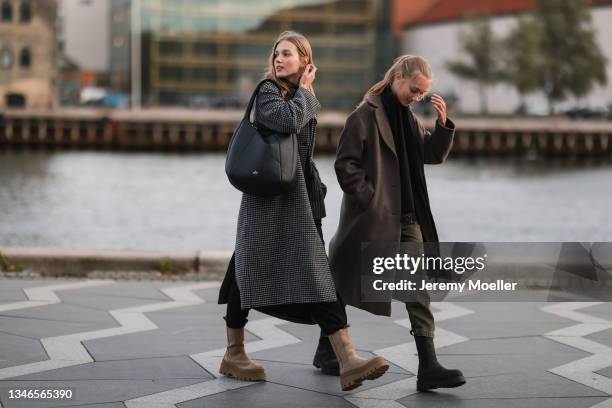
(260, 161)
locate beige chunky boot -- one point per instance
(354, 369)
(236, 362)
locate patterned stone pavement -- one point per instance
(158, 344)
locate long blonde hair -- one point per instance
(304, 51)
(408, 65)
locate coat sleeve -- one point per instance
(349, 162)
(281, 115)
(436, 145)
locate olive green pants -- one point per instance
(419, 312)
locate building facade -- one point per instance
(28, 54)
(120, 43)
(213, 52)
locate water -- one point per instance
(156, 201)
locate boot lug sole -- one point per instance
(373, 373)
(448, 383)
(254, 376)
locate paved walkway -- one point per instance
(156, 344)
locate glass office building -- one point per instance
(213, 52)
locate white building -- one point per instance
(85, 33)
(435, 35)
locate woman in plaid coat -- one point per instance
(279, 266)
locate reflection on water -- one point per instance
(183, 201)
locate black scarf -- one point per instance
(409, 149)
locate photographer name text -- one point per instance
(498, 285)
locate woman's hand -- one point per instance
(440, 106)
(308, 77)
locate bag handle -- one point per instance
(247, 114)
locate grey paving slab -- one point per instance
(606, 372)
(146, 291)
(511, 377)
(515, 347)
(519, 381)
(178, 335)
(306, 377)
(168, 368)
(12, 290)
(494, 321)
(439, 400)
(502, 352)
(602, 310)
(15, 350)
(18, 284)
(267, 395)
(62, 312)
(603, 337)
(105, 302)
(95, 405)
(371, 332)
(54, 320)
(211, 296)
(476, 366)
(503, 320)
(11, 295)
(513, 381)
(187, 313)
(90, 391)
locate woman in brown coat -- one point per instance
(379, 165)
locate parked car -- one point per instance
(589, 112)
(232, 100)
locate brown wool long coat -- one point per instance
(368, 172)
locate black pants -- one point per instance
(330, 316)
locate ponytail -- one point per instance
(408, 65)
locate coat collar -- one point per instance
(383, 123)
(384, 129)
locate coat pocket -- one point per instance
(365, 198)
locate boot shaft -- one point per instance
(343, 347)
(354, 369)
(235, 337)
(426, 351)
(236, 362)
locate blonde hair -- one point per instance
(409, 66)
(304, 51)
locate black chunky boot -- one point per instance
(325, 358)
(431, 373)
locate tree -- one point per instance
(522, 61)
(572, 62)
(482, 49)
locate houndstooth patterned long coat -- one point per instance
(279, 256)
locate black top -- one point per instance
(409, 149)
